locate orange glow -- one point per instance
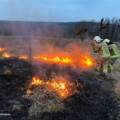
(54, 59)
(87, 61)
(36, 81)
(78, 60)
(6, 55)
(81, 61)
(74, 56)
(62, 87)
(2, 49)
(23, 57)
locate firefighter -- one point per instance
(96, 44)
(98, 40)
(107, 41)
(102, 46)
(108, 52)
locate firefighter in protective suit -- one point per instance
(108, 51)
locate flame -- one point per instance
(6, 55)
(62, 87)
(81, 61)
(54, 59)
(36, 81)
(77, 57)
(84, 61)
(87, 61)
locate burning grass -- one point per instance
(50, 54)
(59, 85)
(96, 101)
(54, 59)
(65, 98)
(83, 61)
(77, 57)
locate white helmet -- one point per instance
(106, 40)
(97, 39)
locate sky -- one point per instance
(58, 10)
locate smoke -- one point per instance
(46, 45)
(64, 48)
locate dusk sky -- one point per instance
(58, 10)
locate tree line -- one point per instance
(106, 28)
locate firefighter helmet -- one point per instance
(98, 39)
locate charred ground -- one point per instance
(96, 100)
